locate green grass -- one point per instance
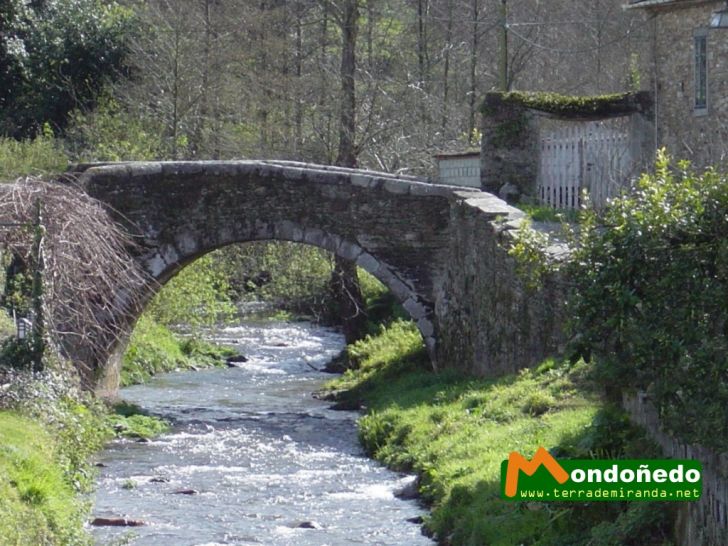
(43, 467)
(37, 506)
(130, 421)
(454, 431)
(544, 213)
(40, 156)
(154, 349)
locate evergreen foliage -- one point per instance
(651, 296)
(55, 56)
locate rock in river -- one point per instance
(117, 522)
(237, 359)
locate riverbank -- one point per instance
(49, 433)
(454, 431)
(154, 349)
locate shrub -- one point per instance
(38, 156)
(651, 296)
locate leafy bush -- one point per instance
(56, 56)
(110, 133)
(39, 156)
(651, 296)
(16, 353)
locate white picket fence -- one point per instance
(592, 156)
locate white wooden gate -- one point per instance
(576, 156)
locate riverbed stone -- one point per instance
(117, 522)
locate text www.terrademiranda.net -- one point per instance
(607, 494)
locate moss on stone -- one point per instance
(509, 132)
(568, 106)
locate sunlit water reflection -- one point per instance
(264, 458)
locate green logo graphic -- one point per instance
(545, 479)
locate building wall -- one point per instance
(669, 62)
(460, 171)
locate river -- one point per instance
(260, 460)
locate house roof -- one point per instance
(660, 3)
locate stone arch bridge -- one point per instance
(440, 250)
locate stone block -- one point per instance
(348, 251)
(368, 262)
(399, 187)
(313, 236)
(427, 329)
(362, 181)
(415, 309)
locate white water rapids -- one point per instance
(266, 462)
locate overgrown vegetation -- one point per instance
(40, 156)
(56, 56)
(454, 431)
(651, 296)
(48, 431)
(154, 348)
(130, 421)
(289, 276)
(568, 106)
(37, 504)
(545, 213)
(533, 263)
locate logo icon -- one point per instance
(543, 478)
(518, 463)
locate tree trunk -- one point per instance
(344, 280)
(446, 69)
(298, 115)
(347, 117)
(422, 61)
(474, 13)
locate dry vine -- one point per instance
(92, 286)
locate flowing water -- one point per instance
(261, 460)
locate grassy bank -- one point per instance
(38, 505)
(154, 348)
(454, 431)
(49, 432)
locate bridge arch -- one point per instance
(395, 228)
(170, 259)
(442, 251)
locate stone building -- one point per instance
(685, 66)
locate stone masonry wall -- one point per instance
(513, 126)
(509, 151)
(700, 523)
(668, 72)
(491, 324)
